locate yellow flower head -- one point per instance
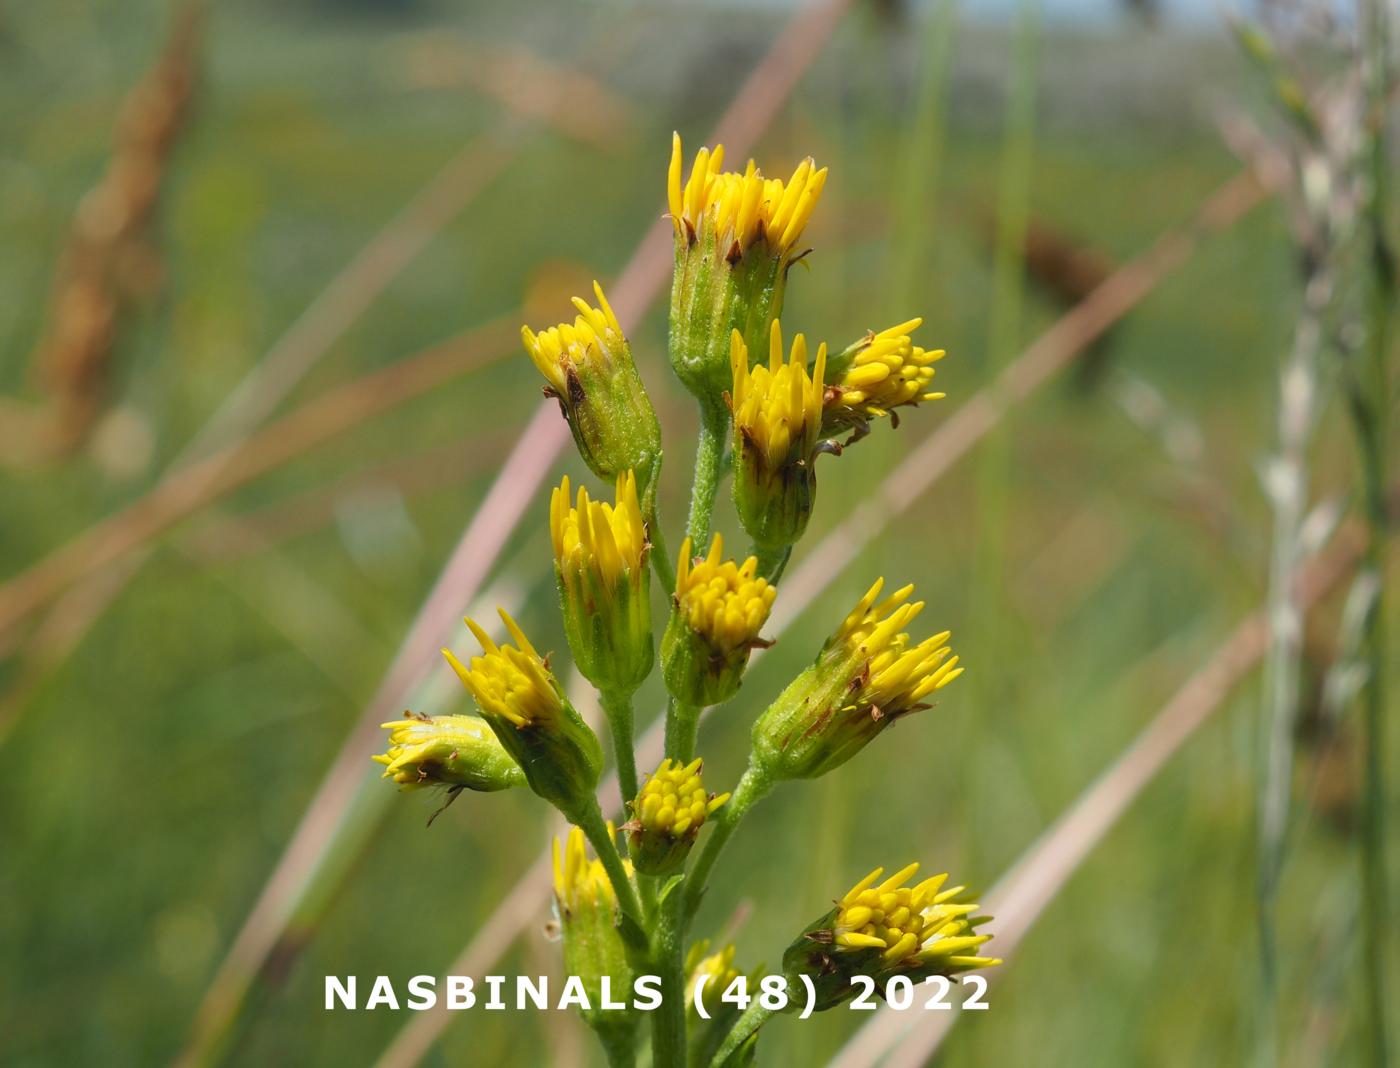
(512, 682)
(606, 541)
(588, 365)
(604, 592)
(920, 926)
(447, 751)
(667, 815)
(778, 408)
(777, 426)
(867, 676)
(673, 802)
(724, 602)
(594, 341)
(524, 705)
(878, 374)
(740, 210)
(896, 677)
(581, 883)
(721, 606)
(718, 971)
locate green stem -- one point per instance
(660, 555)
(754, 1017)
(753, 786)
(618, 708)
(709, 460)
(682, 729)
(589, 819)
(668, 959)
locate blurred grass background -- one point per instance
(153, 779)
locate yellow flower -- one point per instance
(667, 816)
(896, 677)
(606, 541)
(513, 683)
(600, 564)
(720, 607)
(736, 235)
(525, 707)
(867, 675)
(579, 882)
(778, 407)
(593, 947)
(741, 210)
(723, 602)
(447, 751)
(589, 369)
(718, 971)
(876, 375)
(882, 929)
(777, 426)
(920, 926)
(594, 341)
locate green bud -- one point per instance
(866, 677)
(589, 369)
(525, 705)
(882, 929)
(720, 606)
(454, 751)
(667, 815)
(777, 422)
(735, 239)
(600, 564)
(593, 948)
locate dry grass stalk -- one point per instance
(111, 259)
(198, 484)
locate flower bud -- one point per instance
(877, 375)
(735, 238)
(453, 751)
(600, 566)
(866, 677)
(720, 607)
(883, 929)
(718, 973)
(777, 426)
(667, 815)
(593, 949)
(589, 370)
(525, 705)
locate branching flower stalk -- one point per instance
(627, 912)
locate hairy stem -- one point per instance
(589, 819)
(668, 1040)
(682, 729)
(618, 708)
(754, 1017)
(753, 787)
(709, 460)
(660, 555)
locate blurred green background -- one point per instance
(154, 775)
